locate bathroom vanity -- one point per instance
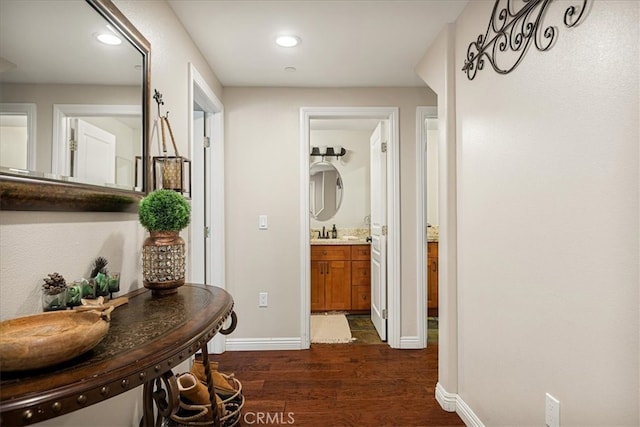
(340, 276)
(432, 278)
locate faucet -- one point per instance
(323, 234)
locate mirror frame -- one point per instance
(30, 193)
(323, 163)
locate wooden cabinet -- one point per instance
(340, 277)
(432, 279)
(360, 277)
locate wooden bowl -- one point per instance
(42, 340)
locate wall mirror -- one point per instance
(73, 110)
(325, 190)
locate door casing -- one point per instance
(391, 114)
(422, 113)
(201, 94)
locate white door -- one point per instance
(95, 160)
(200, 218)
(378, 230)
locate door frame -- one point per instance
(200, 93)
(393, 213)
(59, 143)
(422, 114)
(29, 110)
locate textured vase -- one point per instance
(163, 262)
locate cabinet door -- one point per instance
(337, 289)
(361, 252)
(319, 271)
(432, 283)
(360, 273)
(361, 297)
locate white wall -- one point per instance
(262, 177)
(431, 176)
(548, 211)
(33, 244)
(354, 171)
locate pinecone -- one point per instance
(54, 284)
(99, 265)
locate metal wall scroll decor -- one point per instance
(510, 33)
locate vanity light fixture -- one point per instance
(288, 41)
(335, 151)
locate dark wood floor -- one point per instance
(339, 385)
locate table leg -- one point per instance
(159, 395)
(210, 385)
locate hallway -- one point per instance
(340, 385)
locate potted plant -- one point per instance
(164, 213)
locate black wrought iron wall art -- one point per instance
(511, 32)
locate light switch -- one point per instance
(262, 222)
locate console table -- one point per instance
(147, 338)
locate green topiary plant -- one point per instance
(164, 210)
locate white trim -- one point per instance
(30, 110)
(422, 113)
(411, 342)
(468, 416)
(446, 400)
(263, 344)
(393, 212)
(199, 92)
(59, 144)
(305, 245)
(452, 402)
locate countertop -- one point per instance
(339, 242)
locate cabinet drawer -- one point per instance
(361, 252)
(432, 249)
(360, 298)
(360, 273)
(330, 253)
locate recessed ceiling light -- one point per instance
(110, 39)
(287, 41)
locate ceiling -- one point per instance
(345, 43)
(52, 42)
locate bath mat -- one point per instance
(330, 329)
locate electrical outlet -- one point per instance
(552, 411)
(263, 299)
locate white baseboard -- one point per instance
(263, 344)
(410, 343)
(446, 400)
(452, 402)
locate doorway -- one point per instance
(206, 232)
(123, 121)
(391, 203)
(428, 220)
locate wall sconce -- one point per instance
(170, 172)
(337, 151)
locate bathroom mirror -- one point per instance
(325, 190)
(56, 81)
